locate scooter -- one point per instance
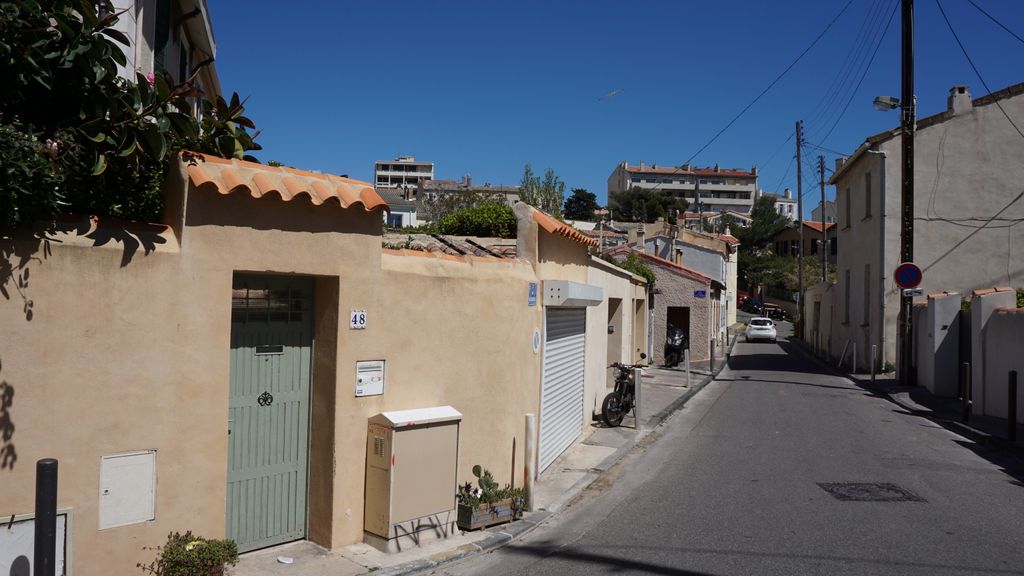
(675, 343)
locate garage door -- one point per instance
(561, 403)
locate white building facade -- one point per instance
(402, 172)
(716, 188)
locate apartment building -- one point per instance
(714, 187)
(402, 172)
(785, 204)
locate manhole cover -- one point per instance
(869, 492)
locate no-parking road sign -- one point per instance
(908, 275)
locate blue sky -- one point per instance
(484, 87)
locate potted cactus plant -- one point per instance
(487, 503)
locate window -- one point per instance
(634, 178)
(846, 297)
(867, 195)
(867, 295)
(846, 205)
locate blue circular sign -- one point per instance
(908, 275)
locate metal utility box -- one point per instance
(411, 462)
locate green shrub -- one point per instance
(487, 219)
(189, 555)
(633, 263)
(106, 139)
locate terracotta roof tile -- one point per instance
(816, 225)
(552, 226)
(683, 270)
(224, 176)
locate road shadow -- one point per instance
(996, 450)
(602, 560)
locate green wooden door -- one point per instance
(268, 415)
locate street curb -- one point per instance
(516, 530)
(977, 436)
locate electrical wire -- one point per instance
(975, 68)
(773, 83)
(998, 23)
(863, 75)
(837, 87)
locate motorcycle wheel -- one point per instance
(611, 410)
(672, 360)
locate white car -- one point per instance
(761, 329)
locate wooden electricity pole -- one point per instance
(800, 226)
(824, 226)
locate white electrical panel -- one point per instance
(369, 378)
(127, 488)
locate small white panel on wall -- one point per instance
(369, 377)
(127, 488)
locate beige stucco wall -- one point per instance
(618, 285)
(125, 350)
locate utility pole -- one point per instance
(824, 234)
(908, 120)
(800, 226)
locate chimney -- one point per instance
(641, 240)
(717, 169)
(655, 165)
(840, 162)
(753, 170)
(959, 101)
(678, 257)
(789, 194)
(657, 247)
(641, 165)
(727, 233)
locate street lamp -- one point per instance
(886, 103)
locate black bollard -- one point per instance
(712, 354)
(1011, 407)
(965, 390)
(45, 562)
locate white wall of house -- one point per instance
(967, 193)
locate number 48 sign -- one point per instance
(357, 320)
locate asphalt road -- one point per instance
(732, 485)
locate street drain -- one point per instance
(869, 492)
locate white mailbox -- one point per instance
(369, 378)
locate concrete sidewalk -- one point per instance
(663, 392)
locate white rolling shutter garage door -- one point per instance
(561, 403)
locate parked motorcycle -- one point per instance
(675, 344)
(619, 401)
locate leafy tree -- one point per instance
(642, 205)
(90, 140)
(634, 264)
(765, 224)
(580, 205)
(485, 219)
(440, 205)
(545, 194)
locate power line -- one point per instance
(863, 75)
(975, 68)
(773, 82)
(850, 63)
(1000, 24)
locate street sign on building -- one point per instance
(908, 275)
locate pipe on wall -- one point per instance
(881, 250)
